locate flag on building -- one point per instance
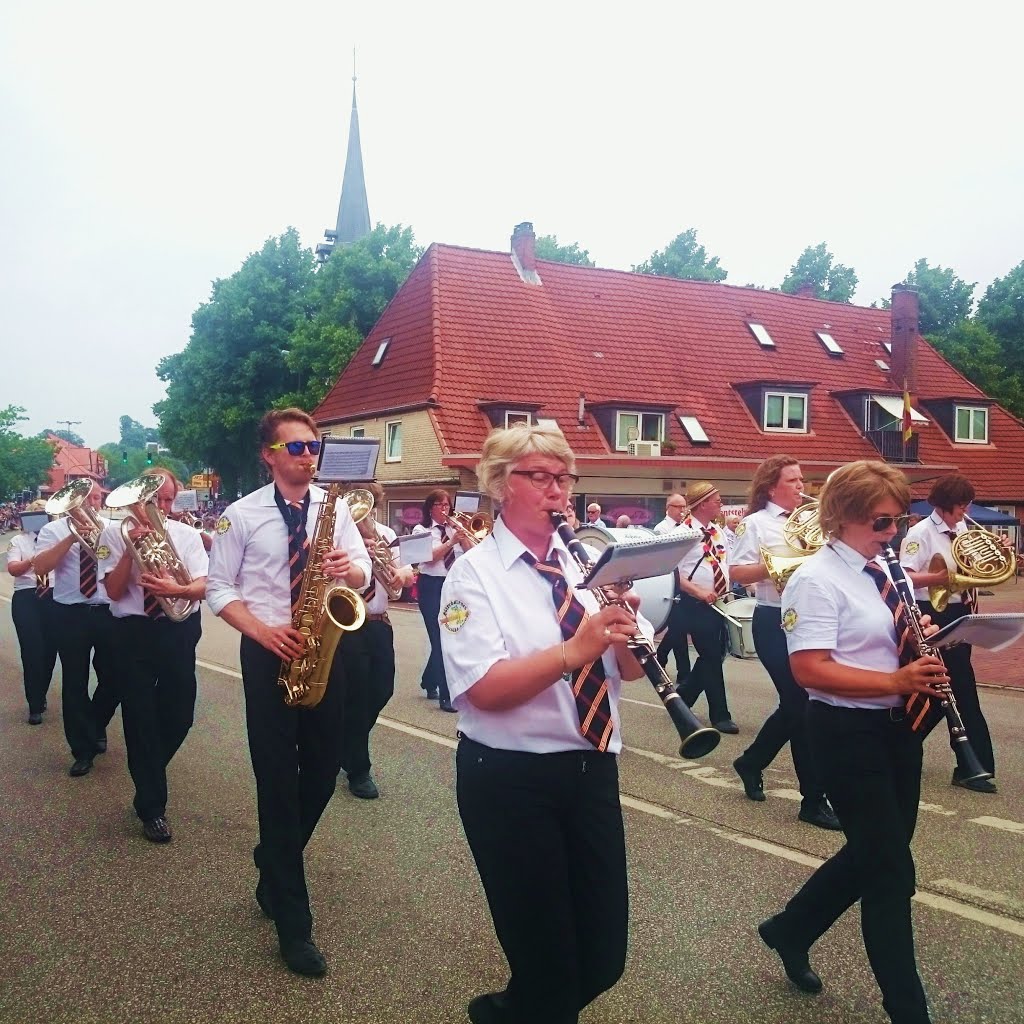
(907, 432)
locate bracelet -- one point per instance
(565, 667)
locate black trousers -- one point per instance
(429, 590)
(707, 628)
(871, 767)
(547, 837)
(296, 755)
(85, 630)
(965, 688)
(157, 658)
(369, 654)
(788, 722)
(33, 623)
(676, 642)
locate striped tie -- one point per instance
(588, 682)
(449, 559)
(918, 706)
(43, 585)
(714, 557)
(86, 572)
(298, 551)
(151, 605)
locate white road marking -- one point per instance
(1000, 823)
(1000, 899)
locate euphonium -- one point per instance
(361, 500)
(977, 559)
(83, 522)
(324, 611)
(696, 739)
(153, 552)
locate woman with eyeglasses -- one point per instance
(255, 575)
(534, 666)
(845, 651)
(447, 546)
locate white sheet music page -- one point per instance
(993, 632)
(642, 559)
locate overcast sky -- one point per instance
(147, 149)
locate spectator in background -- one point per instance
(623, 521)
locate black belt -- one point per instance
(896, 714)
(378, 617)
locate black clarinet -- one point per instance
(696, 739)
(967, 764)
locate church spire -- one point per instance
(353, 210)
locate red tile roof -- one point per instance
(465, 328)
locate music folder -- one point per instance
(638, 560)
(993, 632)
(349, 460)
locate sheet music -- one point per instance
(33, 522)
(993, 632)
(467, 501)
(185, 501)
(641, 559)
(347, 460)
(415, 548)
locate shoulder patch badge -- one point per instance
(102, 553)
(223, 524)
(454, 616)
(740, 530)
(789, 618)
(913, 547)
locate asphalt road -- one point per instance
(97, 925)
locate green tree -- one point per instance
(683, 258)
(548, 248)
(65, 435)
(976, 352)
(827, 280)
(1001, 310)
(347, 297)
(24, 461)
(944, 298)
(120, 472)
(233, 368)
(134, 434)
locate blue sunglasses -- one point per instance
(297, 447)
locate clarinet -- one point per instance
(967, 763)
(696, 739)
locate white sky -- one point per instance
(147, 149)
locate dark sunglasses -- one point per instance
(297, 447)
(883, 523)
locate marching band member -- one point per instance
(32, 612)
(775, 492)
(370, 665)
(296, 751)
(950, 498)
(676, 640)
(448, 544)
(84, 628)
(537, 779)
(703, 577)
(157, 655)
(844, 650)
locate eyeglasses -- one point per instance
(883, 523)
(542, 479)
(297, 447)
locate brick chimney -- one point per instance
(904, 315)
(524, 256)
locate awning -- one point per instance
(894, 407)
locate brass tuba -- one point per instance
(324, 611)
(976, 559)
(153, 552)
(83, 522)
(360, 503)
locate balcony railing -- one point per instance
(891, 446)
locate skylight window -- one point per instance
(761, 333)
(882, 365)
(552, 424)
(694, 431)
(887, 345)
(830, 343)
(381, 350)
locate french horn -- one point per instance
(976, 559)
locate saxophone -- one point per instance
(325, 610)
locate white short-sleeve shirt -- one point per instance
(379, 601)
(924, 540)
(436, 567)
(22, 547)
(704, 576)
(760, 529)
(66, 576)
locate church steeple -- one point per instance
(353, 210)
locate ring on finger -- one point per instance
(607, 631)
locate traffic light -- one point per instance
(124, 457)
(149, 458)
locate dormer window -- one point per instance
(971, 424)
(638, 426)
(785, 410)
(514, 416)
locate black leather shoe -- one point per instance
(446, 705)
(431, 694)
(263, 899)
(822, 816)
(363, 787)
(302, 957)
(35, 718)
(794, 961)
(727, 725)
(975, 785)
(753, 782)
(156, 830)
(82, 766)
(490, 1008)
(101, 745)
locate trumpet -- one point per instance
(472, 528)
(83, 521)
(696, 739)
(976, 559)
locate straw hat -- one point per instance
(699, 491)
(39, 505)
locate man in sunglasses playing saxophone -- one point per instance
(250, 586)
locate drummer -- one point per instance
(703, 580)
